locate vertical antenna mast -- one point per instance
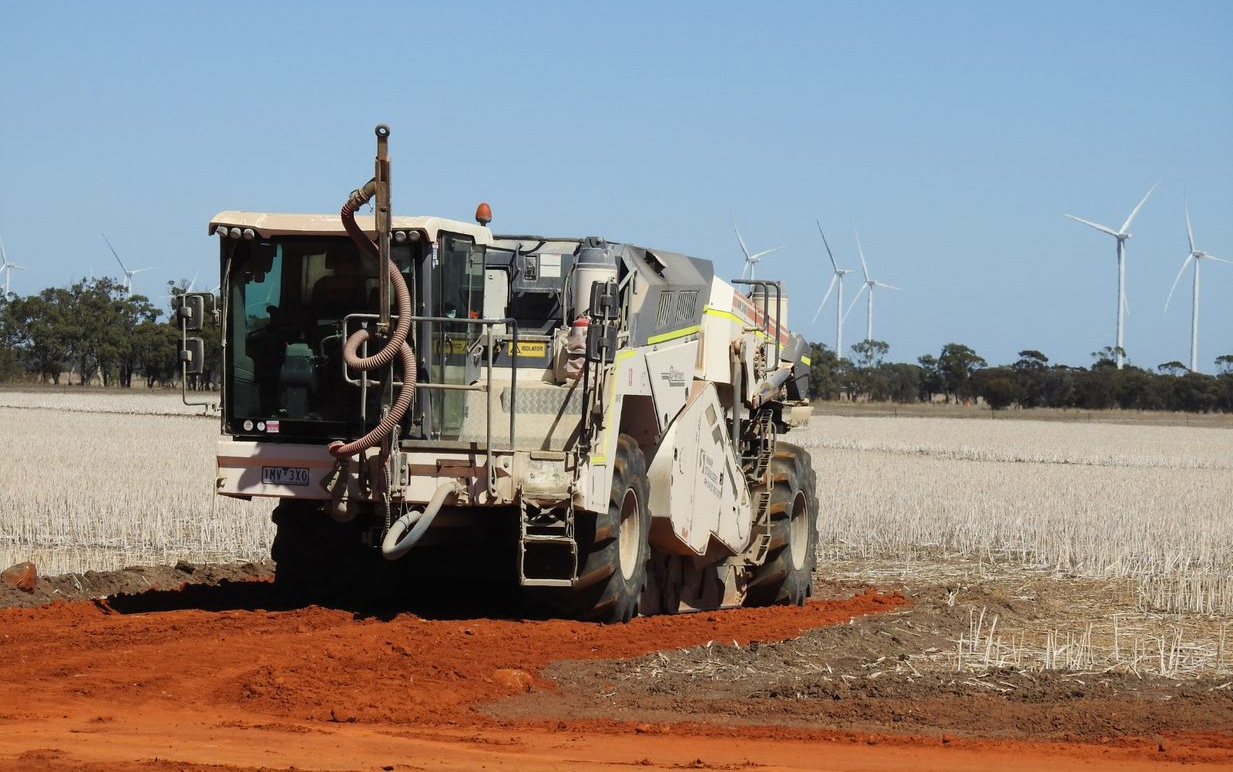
(382, 178)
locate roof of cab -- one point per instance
(274, 224)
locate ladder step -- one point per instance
(529, 582)
(540, 538)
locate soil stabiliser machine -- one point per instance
(596, 422)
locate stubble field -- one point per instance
(1043, 594)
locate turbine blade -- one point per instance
(855, 298)
(1135, 213)
(113, 251)
(758, 257)
(1088, 223)
(887, 286)
(139, 270)
(861, 251)
(1217, 259)
(828, 247)
(1189, 229)
(744, 248)
(1185, 263)
(16, 267)
(825, 297)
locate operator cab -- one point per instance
(296, 286)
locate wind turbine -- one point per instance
(1121, 235)
(1197, 256)
(836, 280)
(128, 275)
(869, 285)
(174, 292)
(751, 261)
(8, 268)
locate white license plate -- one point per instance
(284, 475)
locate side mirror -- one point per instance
(605, 303)
(192, 312)
(192, 355)
(262, 260)
(601, 342)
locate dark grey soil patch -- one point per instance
(158, 587)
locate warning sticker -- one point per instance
(532, 349)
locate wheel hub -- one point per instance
(629, 534)
(798, 530)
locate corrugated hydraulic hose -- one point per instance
(397, 410)
(395, 346)
(415, 524)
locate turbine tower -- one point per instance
(1196, 256)
(128, 275)
(1121, 235)
(751, 261)
(869, 285)
(836, 281)
(7, 268)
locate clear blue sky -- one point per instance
(953, 136)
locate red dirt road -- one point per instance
(83, 687)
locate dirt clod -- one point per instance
(23, 576)
(512, 679)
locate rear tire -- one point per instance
(613, 546)
(786, 577)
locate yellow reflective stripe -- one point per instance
(805, 361)
(667, 336)
(734, 318)
(620, 357)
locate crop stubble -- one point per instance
(97, 480)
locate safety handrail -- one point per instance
(764, 283)
(488, 324)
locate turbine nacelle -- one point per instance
(751, 260)
(867, 286)
(1195, 256)
(836, 281)
(128, 275)
(7, 268)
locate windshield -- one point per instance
(287, 299)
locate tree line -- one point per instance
(958, 374)
(91, 331)
(94, 331)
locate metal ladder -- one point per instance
(544, 528)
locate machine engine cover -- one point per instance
(698, 494)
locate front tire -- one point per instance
(613, 546)
(786, 576)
